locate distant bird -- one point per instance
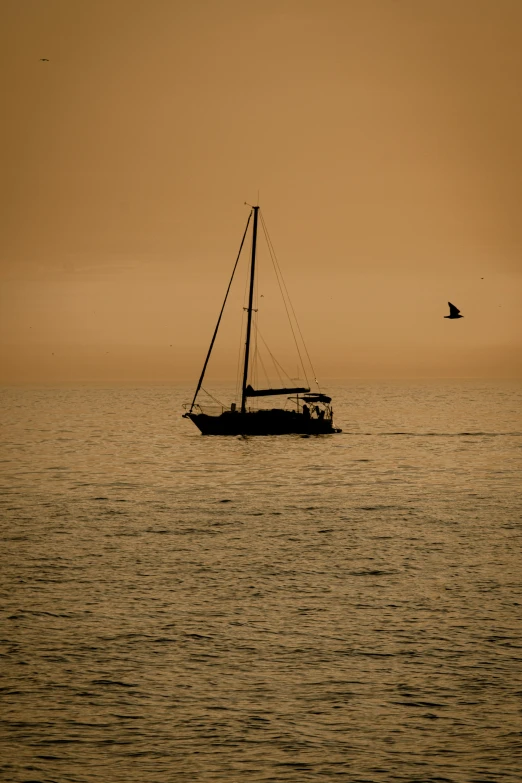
(454, 312)
(44, 60)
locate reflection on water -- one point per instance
(184, 608)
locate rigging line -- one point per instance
(280, 279)
(258, 334)
(276, 368)
(220, 315)
(240, 357)
(260, 356)
(254, 358)
(276, 363)
(277, 265)
(274, 262)
(264, 370)
(256, 322)
(252, 373)
(213, 398)
(272, 249)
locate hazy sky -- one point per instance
(384, 137)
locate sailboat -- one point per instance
(305, 412)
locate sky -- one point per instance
(381, 137)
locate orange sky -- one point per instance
(383, 136)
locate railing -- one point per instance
(215, 409)
(208, 409)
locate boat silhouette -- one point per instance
(306, 412)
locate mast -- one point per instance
(249, 311)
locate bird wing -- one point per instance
(453, 310)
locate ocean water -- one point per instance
(286, 609)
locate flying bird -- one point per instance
(454, 312)
(44, 60)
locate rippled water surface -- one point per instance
(338, 608)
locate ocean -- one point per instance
(193, 609)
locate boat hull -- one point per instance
(263, 422)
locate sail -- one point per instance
(250, 392)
